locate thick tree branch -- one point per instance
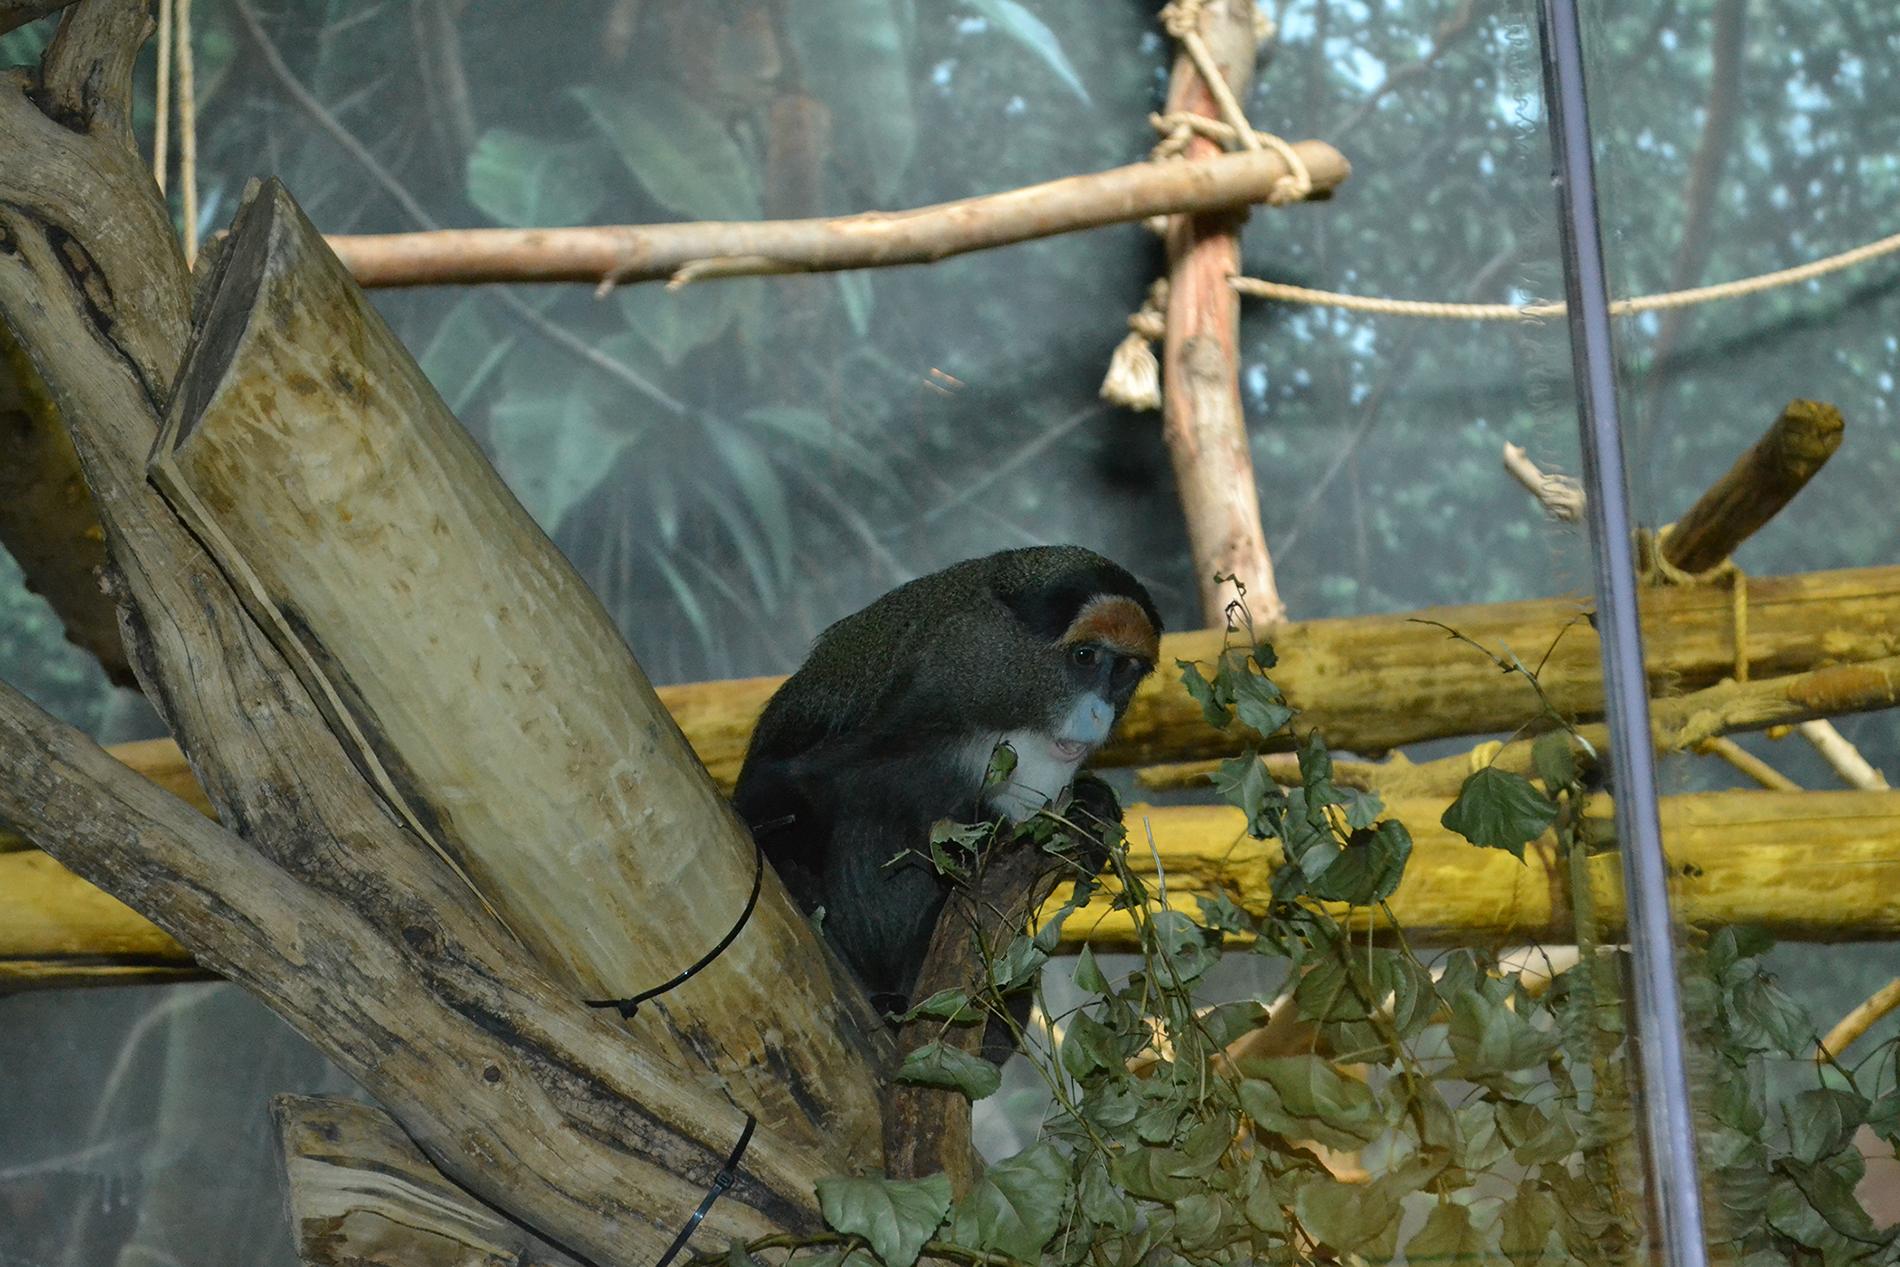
(513, 1088)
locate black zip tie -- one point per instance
(627, 1007)
(721, 1184)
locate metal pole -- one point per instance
(1668, 1130)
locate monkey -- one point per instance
(892, 722)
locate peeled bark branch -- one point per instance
(873, 239)
(1202, 420)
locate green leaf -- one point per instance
(464, 352)
(1243, 783)
(1152, 1173)
(1555, 760)
(854, 288)
(1525, 1227)
(895, 1216)
(1258, 702)
(1764, 1013)
(823, 437)
(1489, 1039)
(1216, 701)
(856, 57)
(1537, 1134)
(1345, 1216)
(1199, 1220)
(1188, 949)
(945, 1005)
(1368, 869)
(1018, 964)
(1088, 975)
(1500, 810)
(681, 155)
(1821, 1121)
(1088, 1045)
(528, 182)
(1221, 915)
(1327, 993)
(1102, 1202)
(1448, 1236)
(676, 322)
(1016, 1206)
(552, 446)
(937, 1065)
(1305, 1097)
(1013, 20)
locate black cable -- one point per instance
(628, 1006)
(721, 1184)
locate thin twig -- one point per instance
(1858, 1021)
(1840, 753)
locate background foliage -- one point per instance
(735, 467)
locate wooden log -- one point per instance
(1793, 861)
(1202, 421)
(518, 1092)
(1805, 866)
(361, 1192)
(1680, 723)
(1374, 682)
(1763, 480)
(651, 252)
(482, 687)
(325, 908)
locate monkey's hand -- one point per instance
(1095, 817)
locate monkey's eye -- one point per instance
(1084, 655)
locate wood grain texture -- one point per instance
(480, 685)
(361, 1193)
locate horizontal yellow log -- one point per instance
(1806, 866)
(1371, 683)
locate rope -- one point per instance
(1658, 569)
(1534, 312)
(161, 122)
(187, 131)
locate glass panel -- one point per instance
(738, 464)
(1733, 145)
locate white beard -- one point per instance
(1041, 774)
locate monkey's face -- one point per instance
(1093, 671)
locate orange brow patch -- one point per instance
(1117, 623)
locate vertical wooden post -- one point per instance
(1202, 421)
